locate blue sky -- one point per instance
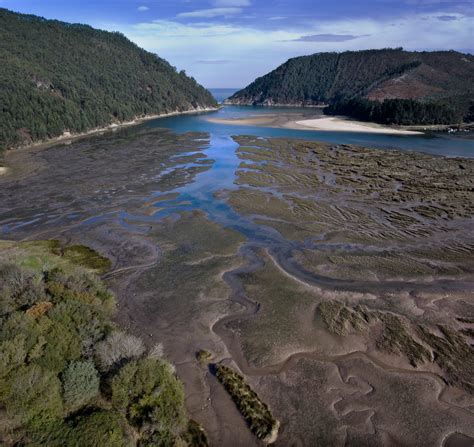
(228, 43)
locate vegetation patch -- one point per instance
(204, 356)
(396, 338)
(255, 412)
(339, 318)
(453, 354)
(35, 254)
(195, 436)
(68, 376)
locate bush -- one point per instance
(53, 325)
(33, 396)
(98, 429)
(80, 383)
(256, 413)
(12, 355)
(152, 398)
(117, 347)
(19, 288)
(102, 428)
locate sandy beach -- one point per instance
(319, 123)
(338, 124)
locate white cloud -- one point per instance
(143, 8)
(227, 3)
(252, 52)
(210, 13)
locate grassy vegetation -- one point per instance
(395, 337)
(419, 344)
(255, 412)
(339, 318)
(453, 353)
(204, 356)
(68, 376)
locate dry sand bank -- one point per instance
(319, 123)
(344, 125)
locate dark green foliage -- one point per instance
(469, 118)
(32, 395)
(100, 428)
(58, 77)
(151, 396)
(255, 412)
(92, 429)
(328, 78)
(396, 111)
(80, 383)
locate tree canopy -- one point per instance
(58, 77)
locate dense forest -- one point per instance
(396, 111)
(68, 375)
(444, 79)
(58, 77)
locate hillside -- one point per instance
(58, 77)
(327, 78)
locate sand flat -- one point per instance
(343, 125)
(298, 121)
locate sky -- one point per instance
(229, 43)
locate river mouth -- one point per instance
(230, 244)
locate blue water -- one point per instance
(201, 192)
(222, 93)
(431, 144)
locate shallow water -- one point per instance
(200, 193)
(219, 152)
(431, 144)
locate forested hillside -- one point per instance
(442, 78)
(58, 77)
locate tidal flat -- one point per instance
(336, 280)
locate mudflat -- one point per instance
(338, 280)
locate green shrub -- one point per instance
(80, 383)
(152, 397)
(33, 396)
(255, 412)
(97, 429)
(12, 355)
(195, 435)
(47, 346)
